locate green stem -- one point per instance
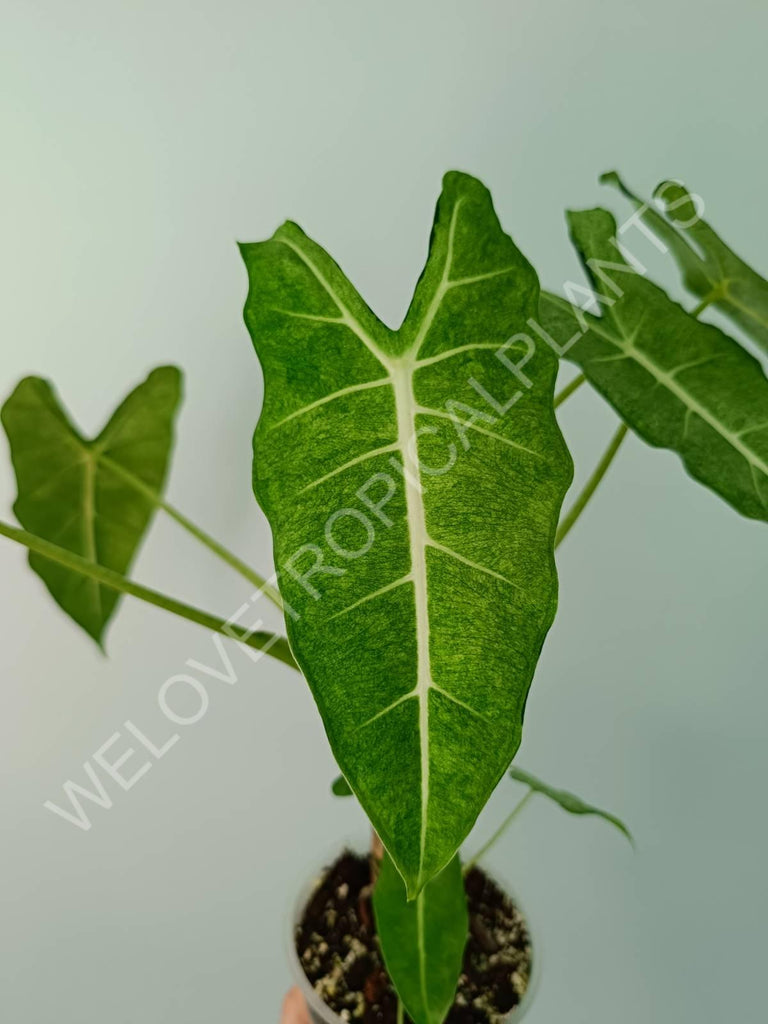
(706, 301)
(499, 832)
(213, 545)
(227, 556)
(569, 389)
(269, 643)
(400, 1012)
(719, 291)
(591, 485)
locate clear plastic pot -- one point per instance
(320, 1012)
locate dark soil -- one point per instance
(339, 950)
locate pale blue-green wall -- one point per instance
(140, 140)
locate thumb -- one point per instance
(294, 1009)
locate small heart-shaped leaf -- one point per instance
(93, 497)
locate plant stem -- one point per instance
(499, 832)
(269, 643)
(718, 292)
(591, 485)
(376, 855)
(400, 1012)
(569, 389)
(213, 545)
(227, 556)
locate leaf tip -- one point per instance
(671, 193)
(456, 177)
(288, 229)
(629, 836)
(596, 222)
(411, 891)
(611, 178)
(463, 182)
(614, 180)
(28, 383)
(167, 374)
(96, 633)
(244, 248)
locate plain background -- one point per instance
(140, 141)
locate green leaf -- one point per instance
(711, 271)
(568, 801)
(420, 591)
(94, 498)
(340, 787)
(678, 383)
(423, 940)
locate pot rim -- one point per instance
(320, 1008)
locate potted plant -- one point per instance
(413, 480)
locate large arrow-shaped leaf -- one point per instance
(94, 498)
(679, 383)
(710, 270)
(423, 940)
(413, 514)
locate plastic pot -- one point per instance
(319, 1011)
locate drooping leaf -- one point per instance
(92, 497)
(568, 801)
(678, 383)
(340, 787)
(423, 940)
(413, 515)
(711, 271)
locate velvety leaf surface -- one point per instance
(568, 801)
(423, 940)
(711, 271)
(76, 492)
(413, 515)
(678, 383)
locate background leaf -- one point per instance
(76, 493)
(423, 940)
(711, 271)
(678, 383)
(568, 801)
(340, 787)
(420, 599)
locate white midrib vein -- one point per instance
(405, 405)
(421, 943)
(89, 522)
(400, 372)
(695, 407)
